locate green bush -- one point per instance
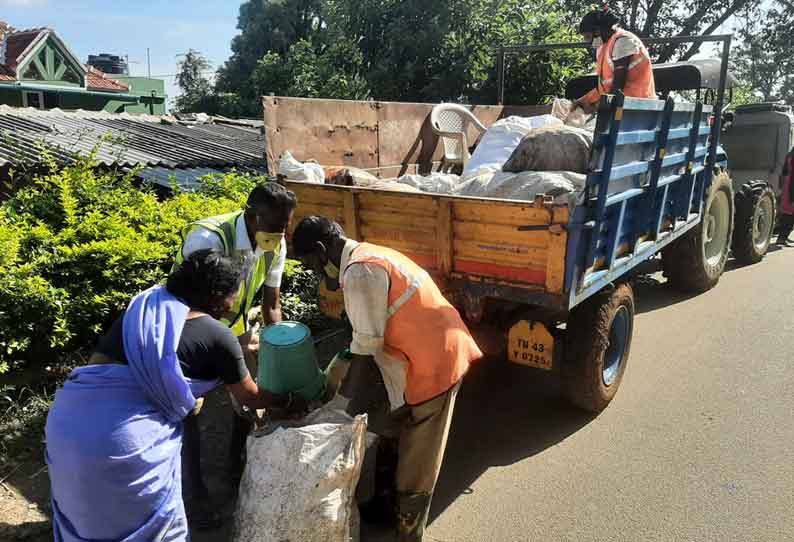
(77, 243)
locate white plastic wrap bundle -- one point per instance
(300, 482)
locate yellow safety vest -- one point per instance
(225, 226)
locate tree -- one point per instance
(266, 26)
(408, 50)
(195, 87)
(764, 59)
(333, 71)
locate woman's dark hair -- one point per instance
(312, 229)
(206, 278)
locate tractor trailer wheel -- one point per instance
(755, 220)
(695, 262)
(598, 340)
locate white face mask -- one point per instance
(597, 42)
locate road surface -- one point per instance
(697, 446)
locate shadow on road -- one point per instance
(653, 292)
(505, 413)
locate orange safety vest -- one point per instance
(423, 328)
(639, 79)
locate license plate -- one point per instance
(531, 344)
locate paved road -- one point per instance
(697, 446)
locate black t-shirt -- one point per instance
(207, 350)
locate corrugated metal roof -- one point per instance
(188, 178)
(126, 140)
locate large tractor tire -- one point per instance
(756, 208)
(598, 341)
(695, 262)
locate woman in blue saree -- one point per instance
(114, 433)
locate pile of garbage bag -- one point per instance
(517, 158)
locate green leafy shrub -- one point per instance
(77, 243)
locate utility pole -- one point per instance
(148, 64)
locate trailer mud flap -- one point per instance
(531, 344)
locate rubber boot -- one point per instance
(412, 516)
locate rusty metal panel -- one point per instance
(332, 132)
(405, 135)
(392, 136)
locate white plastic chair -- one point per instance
(449, 122)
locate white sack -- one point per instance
(498, 143)
(437, 183)
(293, 170)
(299, 483)
(564, 110)
(564, 186)
(552, 148)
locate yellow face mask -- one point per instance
(268, 242)
(331, 271)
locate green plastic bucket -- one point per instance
(287, 361)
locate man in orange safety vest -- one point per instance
(622, 61)
(403, 326)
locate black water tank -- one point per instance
(111, 64)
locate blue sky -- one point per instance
(167, 27)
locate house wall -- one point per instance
(10, 96)
(143, 86)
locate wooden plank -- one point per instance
(444, 237)
(391, 237)
(409, 204)
(351, 215)
(317, 194)
(477, 231)
(555, 261)
(404, 246)
(501, 213)
(499, 253)
(485, 272)
(328, 211)
(396, 220)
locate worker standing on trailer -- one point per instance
(622, 61)
(416, 338)
(257, 231)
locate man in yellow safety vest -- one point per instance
(256, 232)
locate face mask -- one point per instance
(268, 242)
(597, 42)
(331, 271)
